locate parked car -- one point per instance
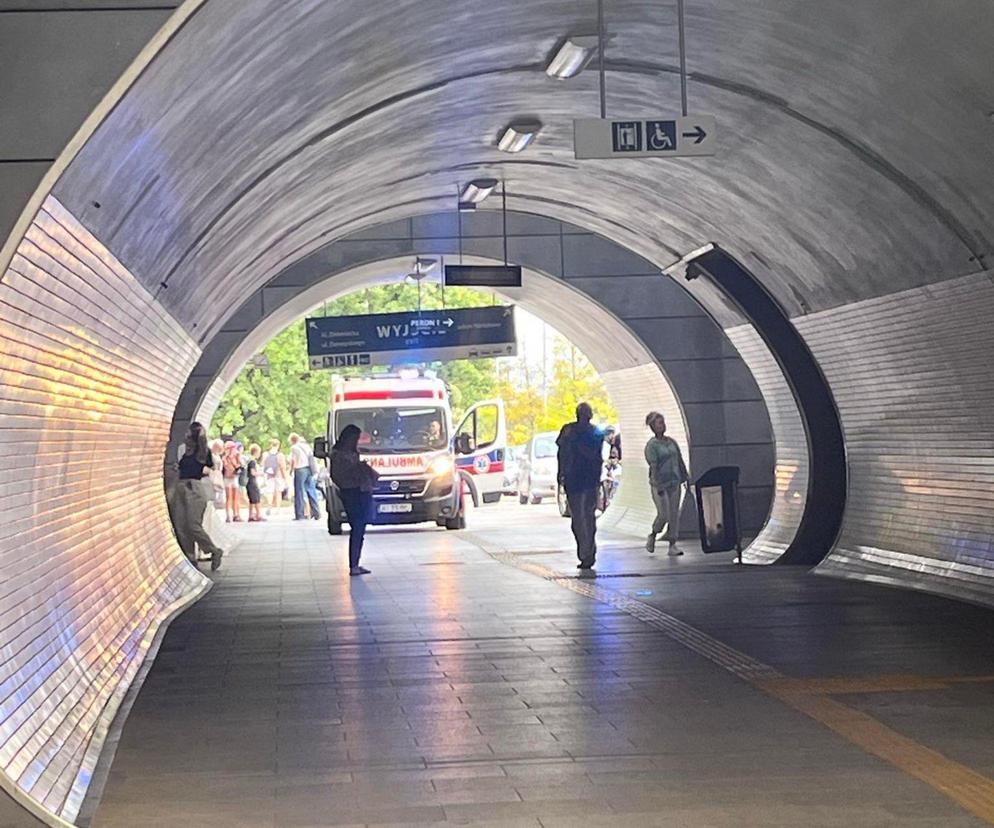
(511, 457)
(538, 468)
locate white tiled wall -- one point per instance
(913, 377)
(91, 367)
(791, 448)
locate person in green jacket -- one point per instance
(667, 475)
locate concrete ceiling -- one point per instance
(856, 145)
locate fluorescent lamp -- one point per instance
(518, 135)
(573, 55)
(421, 268)
(477, 190)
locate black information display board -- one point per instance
(498, 276)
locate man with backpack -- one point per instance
(303, 467)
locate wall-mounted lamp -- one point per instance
(517, 135)
(573, 55)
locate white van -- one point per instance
(425, 464)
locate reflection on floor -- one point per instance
(473, 679)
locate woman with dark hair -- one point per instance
(355, 480)
(191, 500)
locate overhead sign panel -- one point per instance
(410, 336)
(499, 276)
(672, 137)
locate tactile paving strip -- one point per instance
(971, 790)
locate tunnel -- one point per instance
(812, 303)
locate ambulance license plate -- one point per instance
(394, 508)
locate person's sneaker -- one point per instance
(585, 565)
(216, 560)
(650, 544)
(359, 570)
(675, 551)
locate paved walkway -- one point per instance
(474, 679)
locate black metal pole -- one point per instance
(459, 222)
(683, 56)
(503, 200)
(600, 56)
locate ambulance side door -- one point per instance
(485, 427)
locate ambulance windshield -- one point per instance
(396, 430)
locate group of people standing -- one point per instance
(580, 461)
(236, 476)
(580, 456)
(255, 478)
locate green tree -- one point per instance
(279, 398)
(574, 380)
(571, 379)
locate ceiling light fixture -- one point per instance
(421, 268)
(518, 135)
(573, 55)
(476, 192)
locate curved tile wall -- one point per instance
(790, 445)
(91, 369)
(914, 384)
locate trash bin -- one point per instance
(718, 509)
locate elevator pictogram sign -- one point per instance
(644, 137)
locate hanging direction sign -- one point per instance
(673, 137)
(410, 336)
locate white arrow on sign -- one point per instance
(656, 137)
(449, 323)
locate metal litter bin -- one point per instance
(718, 510)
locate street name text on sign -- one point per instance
(673, 137)
(410, 336)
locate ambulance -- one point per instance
(428, 468)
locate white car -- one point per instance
(510, 485)
(538, 468)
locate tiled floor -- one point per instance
(454, 686)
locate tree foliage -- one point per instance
(572, 379)
(277, 395)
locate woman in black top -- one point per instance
(190, 502)
(252, 484)
(355, 480)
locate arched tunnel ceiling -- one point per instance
(265, 129)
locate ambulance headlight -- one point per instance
(441, 466)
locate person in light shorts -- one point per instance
(231, 464)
